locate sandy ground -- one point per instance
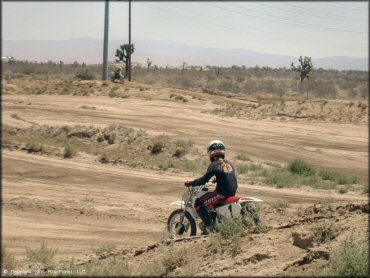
(76, 205)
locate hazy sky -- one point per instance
(316, 29)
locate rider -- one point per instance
(227, 183)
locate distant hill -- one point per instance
(162, 53)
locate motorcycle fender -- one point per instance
(192, 212)
(249, 199)
(178, 203)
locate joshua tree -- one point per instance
(155, 67)
(218, 72)
(305, 69)
(183, 68)
(123, 53)
(148, 64)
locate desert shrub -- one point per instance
(273, 164)
(316, 182)
(15, 116)
(324, 232)
(261, 229)
(69, 151)
(85, 75)
(228, 235)
(180, 143)
(323, 88)
(174, 259)
(243, 157)
(301, 167)
(8, 262)
(44, 255)
(157, 147)
(343, 189)
(338, 177)
(351, 259)
(365, 188)
(32, 146)
(280, 178)
(179, 152)
(104, 248)
(280, 205)
(230, 228)
(106, 157)
(113, 267)
(243, 168)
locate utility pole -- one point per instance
(105, 46)
(129, 40)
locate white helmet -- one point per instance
(216, 148)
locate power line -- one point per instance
(317, 11)
(272, 35)
(309, 14)
(243, 30)
(290, 22)
(344, 7)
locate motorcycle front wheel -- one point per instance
(180, 229)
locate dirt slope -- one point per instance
(79, 204)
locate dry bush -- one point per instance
(44, 255)
(8, 262)
(350, 259)
(324, 232)
(111, 267)
(280, 205)
(106, 247)
(69, 151)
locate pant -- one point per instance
(207, 200)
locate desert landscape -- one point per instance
(90, 168)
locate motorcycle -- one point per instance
(182, 222)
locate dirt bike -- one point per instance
(182, 222)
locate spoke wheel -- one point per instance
(180, 229)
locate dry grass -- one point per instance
(44, 255)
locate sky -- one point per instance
(317, 29)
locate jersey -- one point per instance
(224, 171)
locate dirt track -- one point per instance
(340, 146)
(78, 204)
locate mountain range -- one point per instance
(162, 53)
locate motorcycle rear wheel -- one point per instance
(178, 230)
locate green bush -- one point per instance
(301, 167)
(230, 228)
(351, 259)
(281, 179)
(338, 177)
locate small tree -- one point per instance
(183, 68)
(305, 69)
(123, 54)
(148, 64)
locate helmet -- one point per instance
(215, 148)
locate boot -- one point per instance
(207, 221)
